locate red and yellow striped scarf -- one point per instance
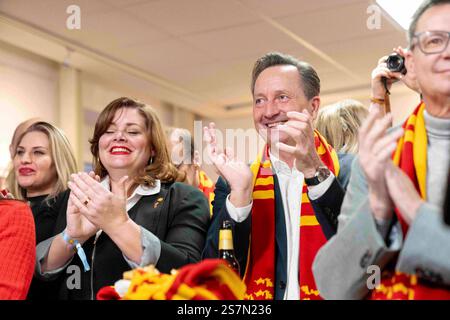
(210, 279)
(411, 157)
(260, 270)
(206, 186)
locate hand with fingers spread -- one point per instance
(104, 209)
(375, 150)
(79, 226)
(402, 192)
(235, 172)
(300, 128)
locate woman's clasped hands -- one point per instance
(92, 207)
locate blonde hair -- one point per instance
(159, 166)
(339, 124)
(62, 158)
(20, 129)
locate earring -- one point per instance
(151, 160)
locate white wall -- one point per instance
(28, 88)
(245, 148)
(403, 102)
(97, 92)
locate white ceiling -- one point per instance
(207, 47)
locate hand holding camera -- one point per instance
(395, 62)
(383, 77)
(391, 69)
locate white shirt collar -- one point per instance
(141, 190)
(281, 167)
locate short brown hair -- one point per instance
(310, 81)
(161, 167)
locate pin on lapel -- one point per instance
(158, 202)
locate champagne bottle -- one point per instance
(226, 250)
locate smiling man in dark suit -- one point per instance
(285, 206)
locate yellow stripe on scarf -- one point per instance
(333, 153)
(264, 181)
(205, 181)
(148, 286)
(185, 292)
(321, 149)
(308, 221)
(305, 198)
(420, 151)
(264, 194)
(233, 281)
(254, 167)
(418, 138)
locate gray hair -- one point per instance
(427, 4)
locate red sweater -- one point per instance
(17, 249)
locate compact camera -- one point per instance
(396, 63)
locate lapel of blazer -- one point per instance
(280, 227)
(151, 211)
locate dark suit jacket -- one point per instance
(45, 218)
(326, 208)
(180, 221)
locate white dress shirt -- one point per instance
(137, 194)
(290, 182)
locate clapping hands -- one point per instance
(235, 172)
(91, 207)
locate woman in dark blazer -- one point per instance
(129, 213)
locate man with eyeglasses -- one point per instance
(392, 242)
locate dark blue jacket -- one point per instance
(326, 208)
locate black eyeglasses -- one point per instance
(431, 42)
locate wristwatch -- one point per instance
(321, 174)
